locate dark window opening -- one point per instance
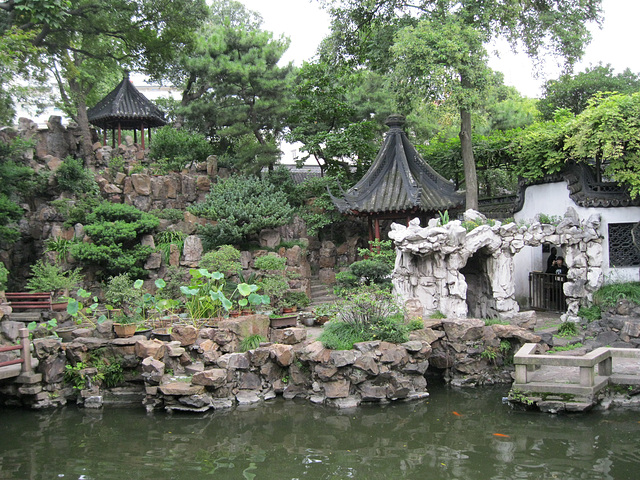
(622, 251)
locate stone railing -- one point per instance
(526, 362)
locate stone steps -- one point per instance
(321, 292)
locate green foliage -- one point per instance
(416, 324)
(338, 335)
(495, 321)
(346, 281)
(251, 342)
(567, 329)
(116, 230)
(275, 287)
(375, 269)
(242, 206)
(314, 205)
(470, 225)
(608, 295)
(225, 259)
(61, 246)
(206, 296)
(39, 330)
(120, 293)
(299, 299)
(81, 313)
(49, 277)
(175, 150)
(437, 315)
(327, 120)
(238, 93)
(607, 132)
(108, 372)
(16, 178)
(168, 214)
(549, 219)
(573, 92)
(75, 211)
(166, 238)
(367, 304)
(4, 276)
(270, 263)
(372, 271)
(566, 348)
(590, 314)
(72, 177)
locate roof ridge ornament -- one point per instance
(395, 121)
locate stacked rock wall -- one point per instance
(430, 262)
(196, 371)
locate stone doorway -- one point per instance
(480, 300)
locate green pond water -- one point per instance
(297, 440)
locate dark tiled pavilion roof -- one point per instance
(399, 181)
(127, 107)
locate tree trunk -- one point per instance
(469, 162)
(86, 147)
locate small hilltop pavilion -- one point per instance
(125, 108)
(399, 186)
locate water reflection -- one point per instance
(284, 440)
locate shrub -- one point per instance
(242, 206)
(416, 324)
(567, 329)
(389, 329)
(165, 239)
(225, 259)
(49, 277)
(299, 299)
(341, 336)
(74, 178)
(120, 293)
(609, 295)
(590, 314)
(251, 342)
(367, 305)
(172, 214)
(174, 150)
(4, 276)
(76, 211)
(116, 231)
(270, 263)
(372, 271)
(16, 182)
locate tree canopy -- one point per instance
(438, 46)
(574, 91)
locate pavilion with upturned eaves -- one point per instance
(125, 108)
(400, 185)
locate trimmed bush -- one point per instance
(242, 206)
(116, 231)
(173, 150)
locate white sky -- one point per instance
(306, 25)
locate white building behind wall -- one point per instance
(621, 261)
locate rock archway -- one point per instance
(460, 273)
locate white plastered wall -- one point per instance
(553, 199)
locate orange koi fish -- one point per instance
(501, 435)
(456, 414)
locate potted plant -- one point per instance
(323, 312)
(283, 321)
(124, 326)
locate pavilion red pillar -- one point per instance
(119, 135)
(142, 134)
